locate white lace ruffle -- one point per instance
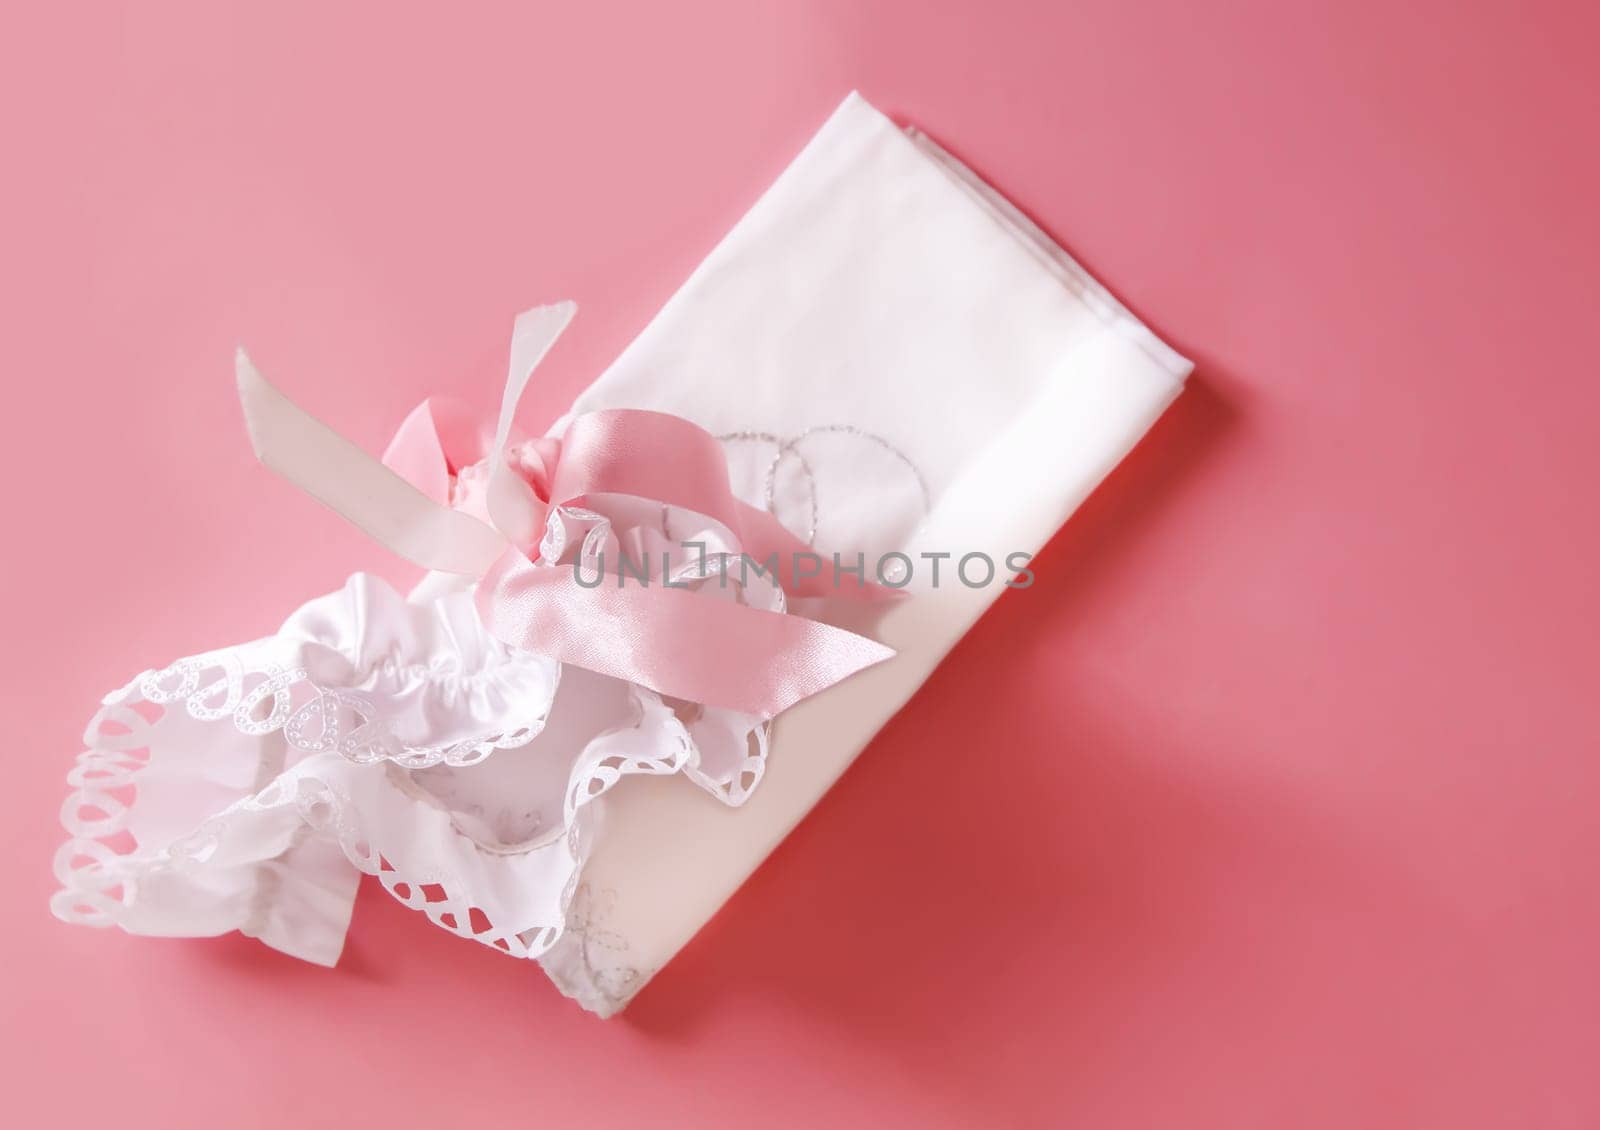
(246, 788)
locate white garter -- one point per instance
(246, 788)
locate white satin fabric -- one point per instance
(896, 359)
(246, 788)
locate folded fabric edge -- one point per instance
(1144, 374)
(1054, 257)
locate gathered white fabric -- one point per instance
(897, 362)
(245, 788)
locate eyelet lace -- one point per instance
(314, 722)
(278, 744)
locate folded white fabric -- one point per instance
(901, 367)
(908, 364)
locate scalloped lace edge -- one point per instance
(99, 883)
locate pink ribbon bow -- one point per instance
(446, 499)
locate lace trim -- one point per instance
(737, 786)
(316, 725)
(99, 883)
(101, 866)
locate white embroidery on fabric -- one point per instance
(788, 447)
(595, 967)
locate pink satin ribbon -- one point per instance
(671, 640)
(674, 641)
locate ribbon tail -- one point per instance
(297, 446)
(513, 508)
(675, 642)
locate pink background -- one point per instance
(1294, 742)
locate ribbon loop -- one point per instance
(678, 643)
(646, 455)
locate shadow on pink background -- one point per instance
(1271, 805)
